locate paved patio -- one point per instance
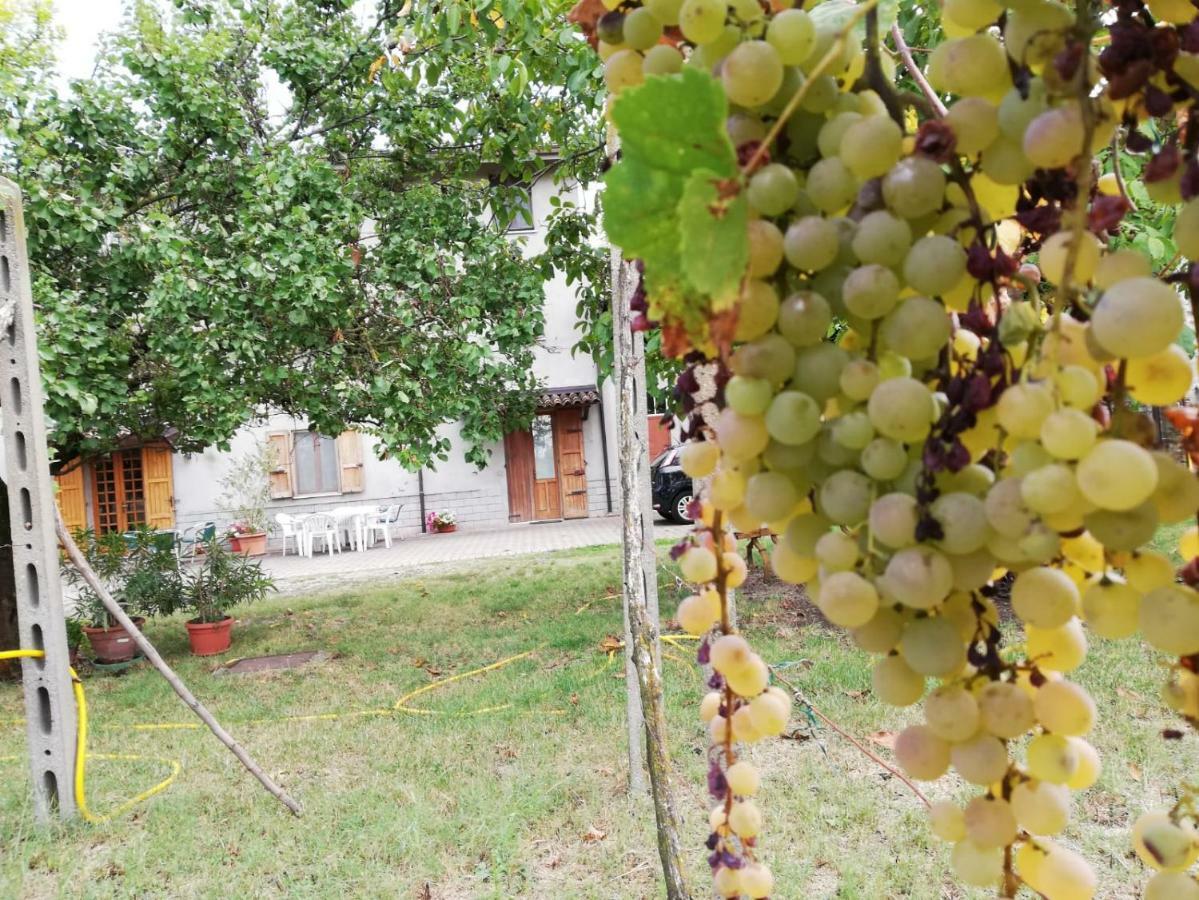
(294, 573)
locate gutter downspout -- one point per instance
(604, 448)
(420, 486)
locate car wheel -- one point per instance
(678, 508)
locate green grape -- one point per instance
(1041, 807)
(1055, 137)
(804, 531)
(951, 713)
(1162, 379)
(832, 452)
(914, 187)
(1177, 494)
(665, 11)
(1027, 458)
(963, 521)
(770, 357)
(746, 11)
(811, 243)
(741, 437)
(1030, 32)
(1052, 758)
(770, 496)
(1169, 618)
(837, 552)
(980, 760)
(973, 66)
(882, 238)
(1111, 608)
(623, 70)
(610, 28)
(859, 378)
(1004, 162)
(972, 15)
(773, 189)
(788, 458)
(642, 29)
(1005, 710)
(818, 371)
(932, 647)
(1117, 474)
(894, 682)
(1017, 109)
(1186, 230)
(1054, 253)
(884, 459)
(743, 127)
(946, 821)
(870, 291)
(934, 264)
(831, 186)
(917, 328)
(752, 73)
(1138, 317)
(893, 519)
(975, 124)
(921, 754)
(979, 866)
(821, 95)
(990, 822)
(1124, 529)
(1065, 708)
(847, 599)
(702, 21)
(1050, 489)
(792, 34)
(757, 310)
(1171, 886)
(1069, 433)
(1023, 409)
(748, 396)
(662, 59)
(871, 146)
(1057, 649)
(881, 633)
(1044, 597)
(853, 430)
(919, 577)
(828, 141)
(765, 248)
(793, 418)
(901, 409)
(1121, 264)
(844, 497)
(699, 458)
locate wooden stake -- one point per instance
(189, 699)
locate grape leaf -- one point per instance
(670, 127)
(713, 249)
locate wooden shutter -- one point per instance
(349, 456)
(518, 454)
(70, 499)
(572, 468)
(280, 448)
(159, 487)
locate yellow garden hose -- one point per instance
(81, 754)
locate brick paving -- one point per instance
(295, 574)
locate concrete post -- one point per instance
(49, 700)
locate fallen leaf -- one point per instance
(593, 835)
(425, 893)
(611, 644)
(854, 695)
(1127, 694)
(574, 699)
(1135, 771)
(882, 738)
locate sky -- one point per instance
(82, 21)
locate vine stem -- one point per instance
(849, 737)
(826, 63)
(909, 63)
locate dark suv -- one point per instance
(671, 487)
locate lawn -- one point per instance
(515, 788)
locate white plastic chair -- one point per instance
(381, 523)
(290, 528)
(321, 527)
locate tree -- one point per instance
(283, 205)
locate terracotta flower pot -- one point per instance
(446, 529)
(113, 644)
(249, 544)
(210, 638)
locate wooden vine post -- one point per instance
(643, 657)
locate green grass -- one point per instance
(509, 803)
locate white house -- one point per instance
(563, 467)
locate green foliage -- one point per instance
(139, 570)
(221, 580)
(201, 255)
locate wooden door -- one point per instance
(159, 487)
(547, 499)
(518, 454)
(572, 468)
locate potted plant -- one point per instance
(74, 638)
(247, 490)
(141, 573)
(441, 522)
(221, 580)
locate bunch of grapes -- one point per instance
(935, 391)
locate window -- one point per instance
(522, 218)
(543, 448)
(316, 470)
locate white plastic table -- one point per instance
(352, 519)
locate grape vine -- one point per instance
(936, 352)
